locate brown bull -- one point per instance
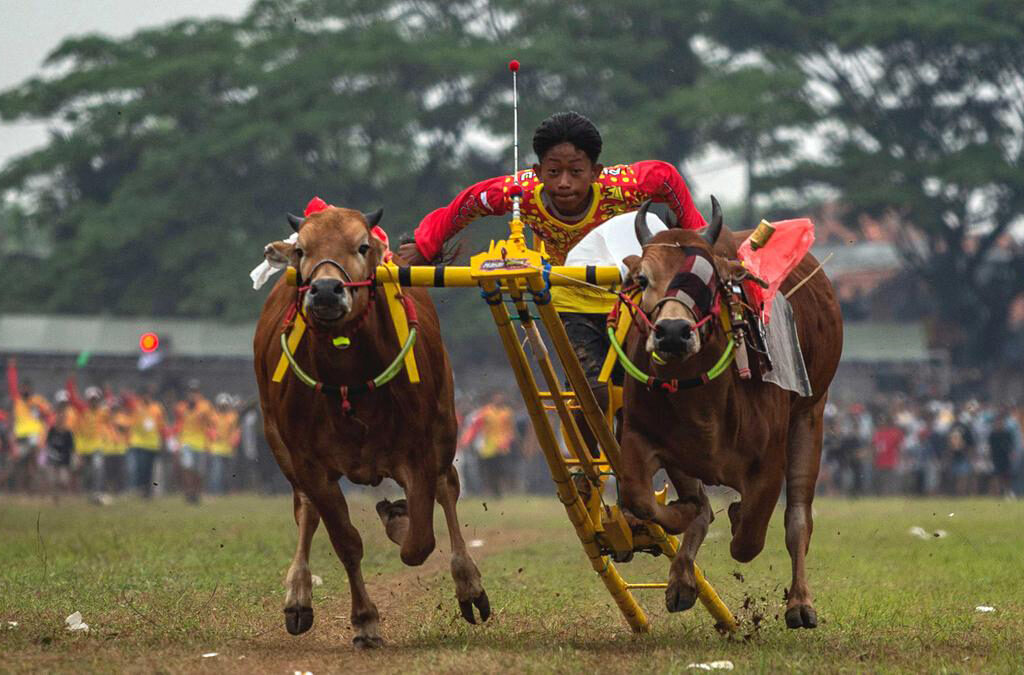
(402, 431)
(747, 434)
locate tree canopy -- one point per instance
(175, 152)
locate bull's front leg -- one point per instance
(681, 593)
(469, 589)
(409, 522)
(326, 495)
(298, 602)
(637, 492)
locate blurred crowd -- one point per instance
(901, 445)
(104, 443)
(891, 445)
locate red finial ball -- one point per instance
(513, 65)
(516, 191)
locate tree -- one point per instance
(177, 150)
(921, 112)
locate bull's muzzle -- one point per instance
(328, 299)
(674, 337)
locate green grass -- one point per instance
(161, 583)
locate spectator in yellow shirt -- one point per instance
(91, 429)
(224, 436)
(490, 433)
(116, 448)
(33, 417)
(146, 438)
(193, 421)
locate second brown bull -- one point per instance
(748, 434)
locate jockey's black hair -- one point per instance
(567, 127)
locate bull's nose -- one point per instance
(326, 292)
(671, 335)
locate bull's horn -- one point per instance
(294, 221)
(670, 219)
(643, 233)
(373, 218)
(715, 228)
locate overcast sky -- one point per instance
(31, 29)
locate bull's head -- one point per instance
(333, 247)
(678, 274)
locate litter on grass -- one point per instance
(921, 533)
(984, 609)
(75, 623)
(318, 580)
(713, 665)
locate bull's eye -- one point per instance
(363, 248)
(642, 281)
(299, 253)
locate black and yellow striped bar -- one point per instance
(442, 276)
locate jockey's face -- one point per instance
(567, 174)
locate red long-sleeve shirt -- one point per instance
(618, 189)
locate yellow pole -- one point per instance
(567, 493)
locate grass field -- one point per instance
(161, 584)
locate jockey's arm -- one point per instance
(486, 198)
(661, 182)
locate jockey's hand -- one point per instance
(411, 255)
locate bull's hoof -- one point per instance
(367, 642)
(483, 605)
(801, 616)
(679, 598)
(298, 619)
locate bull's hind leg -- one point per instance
(681, 593)
(298, 602)
(330, 501)
(751, 514)
(804, 458)
(469, 590)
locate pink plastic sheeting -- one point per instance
(775, 260)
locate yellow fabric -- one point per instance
(28, 416)
(582, 299)
(195, 421)
(90, 429)
(225, 428)
(147, 423)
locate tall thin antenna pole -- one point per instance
(517, 191)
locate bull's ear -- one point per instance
(632, 263)
(295, 221)
(278, 253)
(373, 218)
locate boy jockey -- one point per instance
(565, 195)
